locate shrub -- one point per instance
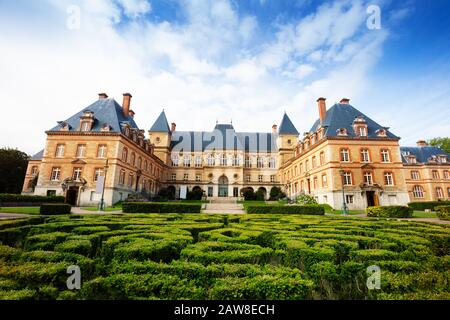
(306, 199)
(153, 207)
(422, 206)
(248, 194)
(276, 194)
(390, 211)
(54, 209)
(306, 209)
(443, 212)
(6, 198)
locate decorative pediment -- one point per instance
(78, 161)
(367, 166)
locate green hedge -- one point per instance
(390, 211)
(422, 206)
(154, 207)
(306, 209)
(443, 212)
(54, 208)
(18, 198)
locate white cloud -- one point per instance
(135, 8)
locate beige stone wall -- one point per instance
(427, 181)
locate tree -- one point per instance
(441, 142)
(249, 194)
(13, 167)
(276, 194)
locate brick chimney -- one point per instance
(345, 101)
(173, 127)
(102, 96)
(422, 143)
(126, 104)
(274, 129)
(322, 109)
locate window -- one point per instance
(124, 154)
(235, 160)
(85, 126)
(97, 173)
(77, 174)
(418, 192)
(210, 191)
(122, 177)
(349, 198)
(198, 177)
(301, 168)
(56, 174)
(322, 158)
(324, 181)
(51, 193)
(248, 163)
(435, 174)
(415, 175)
(81, 151)
(174, 176)
(260, 162)
(198, 161)
(446, 175)
(223, 160)
(130, 179)
(362, 131)
(345, 155)
(315, 183)
(101, 151)
(389, 178)
(146, 165)
(385, 155)
(347, 178)
(260, 178)
(272, 178)
(289, 141)
(210, 160)
(186, 177)
(314, 162)
(139, 163)
(34, 170)
(187, 161)
(365, 155)
(272, 163)
(60, 150)
(439, 193)
(307, 165)
(368, 179)
(247, 178)
(132, 159)
(175, 160)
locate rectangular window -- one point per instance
(85, 126)
(97, 173)
(223, 160)
(122, 177)
(446, 175)
(187, 161)
(198, 161)
(51, 193)
(345, 155)
(56, 174)
(260, 162)
(59, 151)
(198, 177)
(77, 174)
(385, 155)
(347, 178)
(362, 131)
(210, 160)
(186, 177)
(368, 178)
(235, 160)
(322, 158)
(389, 179)
(435, 174)
(175, 161)
(349, 198)
(415, 175)
(365, 156)
(247, 178)
(174, 177)
(248, 163)
(272, 178)
(260, 178)
(272, 163)
(81, 151)
(101, 151)
(439, 193)
(324, 181)
(235, 192)
(130, 180)
(210, 191)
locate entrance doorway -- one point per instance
(72, 195)
(372, 199)
(223, 186)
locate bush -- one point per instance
(306, 209)
(443, 212)
(260, 195)
(16, 199)
(248, 194)
(276, 194)
(152, 207)
(306, 199)
(53, 209)
(422, 206)
(390, 211)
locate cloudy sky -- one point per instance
(208, 60)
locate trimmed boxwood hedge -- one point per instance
(305, 209)
(6, 198)
(55, 208)
(156, 207)
(390, 211)
(422, 206)
(443, 212)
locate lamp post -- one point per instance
(344, 204)
(102, 201)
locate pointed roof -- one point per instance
(423, 154)
(286, 126)
(106, 111)
(38, 156)
(161, 124)
(342, 115)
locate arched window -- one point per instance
(132, 159)
(139, 163)
(418, 192)
(124, 154)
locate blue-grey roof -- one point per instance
(286, 126)
(423, 154)
(342, 116)
(223, 137)
(161, 124)
(38, 156)
(106, 111)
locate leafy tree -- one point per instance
(441, 142)
(276, 194)
(195, 194)
(306, 199)
(249, 194)
(260, 196)
(13, 167)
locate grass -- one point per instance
(423, 214)
(349, 212)
(20, 210)
(115, 208)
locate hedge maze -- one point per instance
(195, 256)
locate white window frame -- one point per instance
(56, 174)
(389, 178)
(345, 155)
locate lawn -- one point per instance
(196, 256)
(423, 214)
(114, 208)
(20, 210)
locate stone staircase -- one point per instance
(223, 205)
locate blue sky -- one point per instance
(205, 60)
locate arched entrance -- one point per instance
(223, 186)
(263, 191)
(171, 190)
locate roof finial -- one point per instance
(231, 121)
(217, 121)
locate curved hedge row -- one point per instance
(390, 212)
(154, 207)
(304, 209)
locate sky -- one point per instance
(245, 61)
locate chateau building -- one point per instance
(346, 156)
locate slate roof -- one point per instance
(423, 154)
(161, 124)
(342, 115)
(38, 156)
(105, 111)
(286, 126)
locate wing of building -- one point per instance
(346, 157)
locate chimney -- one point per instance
(345, 101)
(126, 104)
(102, 96)
(322, 109)
(274, 129)
(422, 143)
(131, 112)
(173, 127)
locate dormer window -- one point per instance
(106, 127)
(85, 126)
(64, 126)
(86, 121)
(412, 159)
(381, 132)
(442, 158)
(342, 132)
(360, 126)
(363, 131)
